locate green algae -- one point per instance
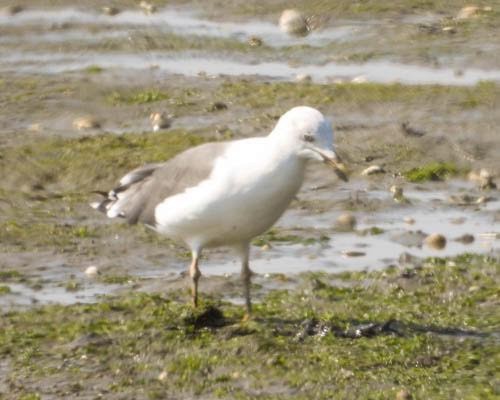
(42, 234)
(4, 290)
(162, 41)
(115, 279)
(259, 95)
(10, 275)
(431, 172)
(83, 164)
(154, 346)
(350, 9)
(274, 235)
(94, 69)
(140, 97)
(64, 174)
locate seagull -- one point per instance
(225, 193)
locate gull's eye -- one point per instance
(308, 138)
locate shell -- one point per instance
(372, 169)
(435, 241)
(346, 222)
(147, 7)
(92, 271)
(468, 12)
(160, 121)
(84, 123)
(255, 41)
(293, 23)
(11, 10)
(303, 78)
(111, 11)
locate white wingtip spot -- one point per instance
(112, 213)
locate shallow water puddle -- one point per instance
(189, 65)
(83, 27)
(183, 23)
(24, 296)
(361, 249)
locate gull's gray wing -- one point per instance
(142, 189)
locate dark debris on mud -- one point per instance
(356, 330)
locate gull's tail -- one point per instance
(126, 200)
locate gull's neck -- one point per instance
(282, 146)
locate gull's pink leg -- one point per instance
(246, 277)
(194, 273)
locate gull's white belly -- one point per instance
(235, 204)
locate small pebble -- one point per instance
(163, 376)
(409, 130)
(407, 259)
(403, 394)
(111, 11)
(372, 170)
(316, 22)
(473, 176)
(218, 106)
(483, 199)
(303, 78)
(11, 10)
(347, 374)
(35, 127)
(353, 253)
(449, 29)
(468, 12)
(461, 200)
(147, 7)
(338, 81)
(490, 235)
(359, 79)
(91, 271)
(486, 180)
(397, 194)
(293, 23)
(483, 179)
(84, 123)
(160, 121)
(255, 41)
(465, 238)
(435, 241)
(408, 220)
(346, 222)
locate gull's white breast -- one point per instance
(249, 188)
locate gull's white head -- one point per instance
(306, 132)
